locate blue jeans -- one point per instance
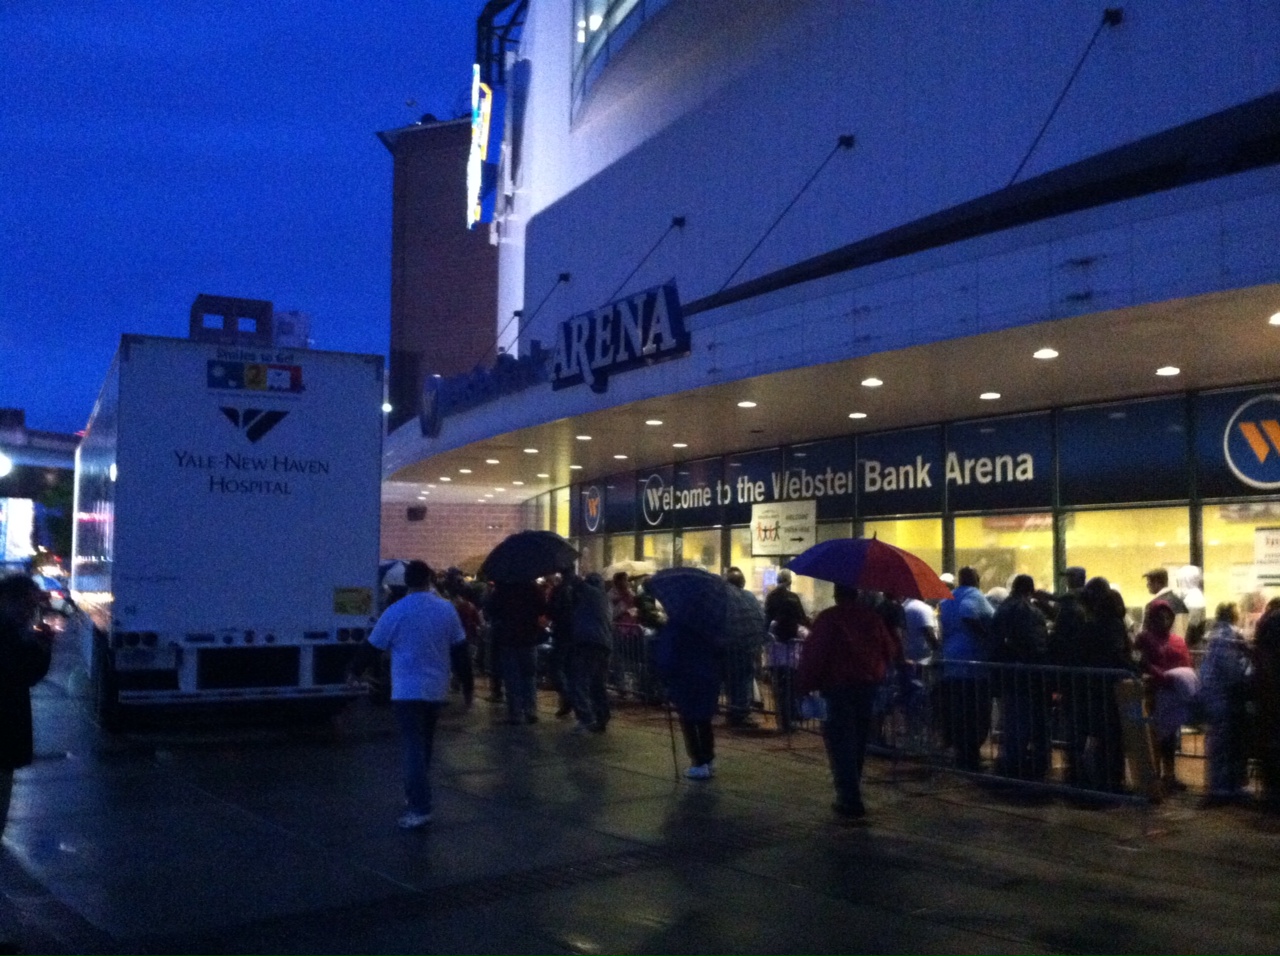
(520, 667)
(417, 722)
(845, 734)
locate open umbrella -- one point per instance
(869, 564)
(692, 598)
(633, 567)
(744, 623)
(527, 555)
(391, 573)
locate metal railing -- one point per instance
(1079, 729)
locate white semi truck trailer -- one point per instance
(227, 518)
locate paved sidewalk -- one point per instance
(284, 840)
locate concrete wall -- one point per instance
(720, 110)
(449, 535)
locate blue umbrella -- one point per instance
(693, 599)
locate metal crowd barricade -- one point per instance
(1038, 725)
(632, 671)
(1031, 725)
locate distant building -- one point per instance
(38, 467)
(444, 277)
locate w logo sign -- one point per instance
(1251, 444)
(592, 507)
(252, 421)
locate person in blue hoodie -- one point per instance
(965, 619)
(690, 664)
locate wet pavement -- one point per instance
(284, 840)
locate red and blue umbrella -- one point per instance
(871, 565)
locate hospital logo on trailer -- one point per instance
(1251, 442)
(254, 422)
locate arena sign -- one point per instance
(441, 397)
(633, 332)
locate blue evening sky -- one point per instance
(151, 150)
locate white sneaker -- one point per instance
(412, 821)
(700, 772)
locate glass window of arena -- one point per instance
(1137, 454)
(1188, 483)
(700, 548)
(600, 29)
(1237, 458)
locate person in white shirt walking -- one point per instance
(423, 634)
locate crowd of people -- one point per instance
(1009, 678)
(1011, 675)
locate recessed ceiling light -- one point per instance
(531, 451)
(445, 478)
(746, 404)
(857, 414)
(464, 471)
(678, 444)
(499, 489)
(481, 501)
(989, 396)
(421, 495)
(491, 461)
(654, 421)
(575, 468)
(1275, 319)
(872, 382)
(543, 475)
(620, 457)
(488, 494)
(583, 437)
(1044, 354)
(517, 482)
(1168, 370)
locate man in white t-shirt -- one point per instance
(921, 631)
(421, 632)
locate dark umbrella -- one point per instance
(693, 598)
(744, 623)
(527, 555)
(869, 564)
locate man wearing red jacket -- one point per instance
(847, 655)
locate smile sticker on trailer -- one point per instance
(353, 601)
